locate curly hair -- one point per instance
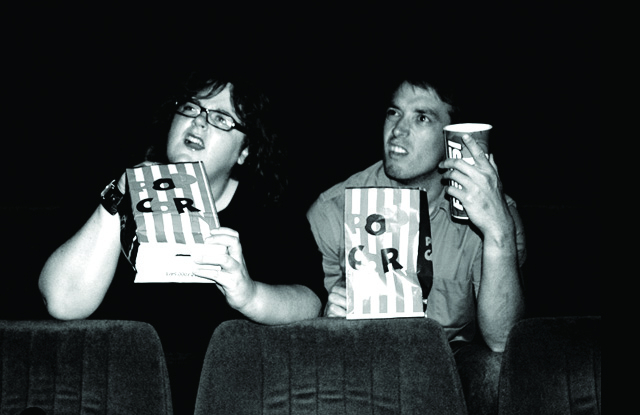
(263, 169)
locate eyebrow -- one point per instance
(199, 102)
(433, 114)
(423, 111)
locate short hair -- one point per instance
(429, 79)
(263, 168)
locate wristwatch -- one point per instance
(111, 197)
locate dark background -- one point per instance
(80, 87)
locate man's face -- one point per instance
(413, 140)
(194, 139)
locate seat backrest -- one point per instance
(83, 366)
(552, 366)
(330, 366)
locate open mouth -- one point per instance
(397, 150)
(194, 142)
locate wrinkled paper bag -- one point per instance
(389, 272)
(172, 212)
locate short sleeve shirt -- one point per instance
(456, 256)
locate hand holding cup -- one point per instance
(455, 136)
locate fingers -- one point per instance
(227, 238)
(466, 179)
(335, 311)
(208, 254)
(220, 256)
(483, 164)
(339, 294)
(210, 272)
(220, 259)
(337, 302)
(474, 148)
(221, 252)
(479, 157)
(223, 232)
(475, 185)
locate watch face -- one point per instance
(112, 197)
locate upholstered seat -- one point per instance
(552, 366)
(82, 367)
(330, 366)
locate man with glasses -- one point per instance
(219, 121)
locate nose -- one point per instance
(401, 128)
(201, 119)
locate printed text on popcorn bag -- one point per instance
(173, 212)
(387, 252)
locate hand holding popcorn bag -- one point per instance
(389, 272)
(172, 212)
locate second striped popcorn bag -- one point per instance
(172, 212)
(389, 272)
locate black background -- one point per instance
(80, 86)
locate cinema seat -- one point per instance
(330, 366)
(552, 366)
(82, 367)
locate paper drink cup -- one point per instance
(456, 149)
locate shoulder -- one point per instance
(326, 214)
(333, 198)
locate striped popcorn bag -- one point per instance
(172, 212)
(389, 272)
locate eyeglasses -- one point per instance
(216, 118)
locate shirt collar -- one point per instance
(441, 202)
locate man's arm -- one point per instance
(327, 227)
(500, 296)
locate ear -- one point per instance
(243, 155)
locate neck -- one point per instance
(434, 189)
(432, 184)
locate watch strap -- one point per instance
(111, 198)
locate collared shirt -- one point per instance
(456, 256)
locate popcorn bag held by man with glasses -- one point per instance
(389, 272)
(172, 212)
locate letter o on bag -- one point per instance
(376, 225)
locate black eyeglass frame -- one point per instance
(234, 123)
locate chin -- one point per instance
(396, 173)
(403, 176)
(182, 158)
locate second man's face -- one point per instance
(413, 140)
